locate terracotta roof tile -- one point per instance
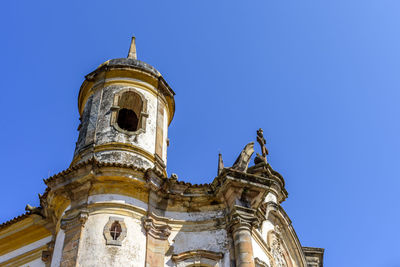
(15, 220)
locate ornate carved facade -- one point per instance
(116, 206)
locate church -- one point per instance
(115, 205)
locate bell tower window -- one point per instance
(129, 112)
(127, 120)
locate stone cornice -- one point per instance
(204, 195)
(94, 164)
(260, 181)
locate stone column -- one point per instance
(72, 226)
(157, 242)
(241, 222)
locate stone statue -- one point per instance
(262, 142)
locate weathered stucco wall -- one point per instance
(213, 240)
(194, 216)
(95, 252)
(106, 133)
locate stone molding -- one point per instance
(123, 147)
(158, 231)
(197, 258)
(107, 233)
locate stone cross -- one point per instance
(262, 142)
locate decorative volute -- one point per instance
(125, 107)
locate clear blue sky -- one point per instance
(320, 77)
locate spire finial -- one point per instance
(220, 163)
(132, 49)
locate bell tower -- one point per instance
(125, 107)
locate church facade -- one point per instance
(116, 206)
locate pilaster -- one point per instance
(72, 225)
(157, 242)
(241, 222)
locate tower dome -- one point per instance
(125, 107)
